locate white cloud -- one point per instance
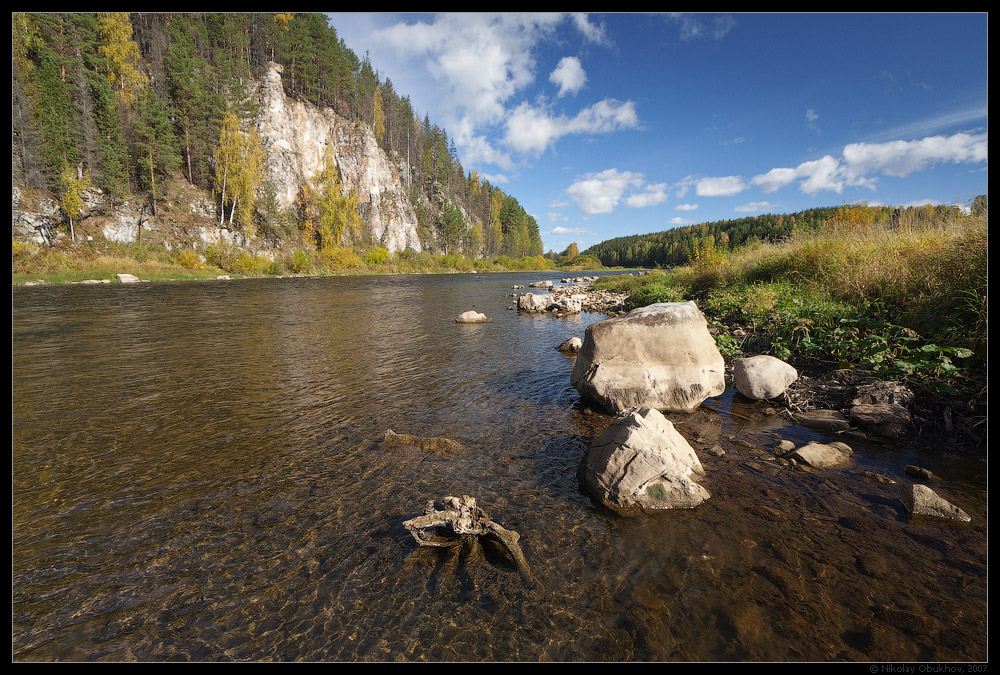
(723, 186)
(922, 202)
(569, 230)
(685, 207)
(899, 158)
(861, 160)
(680, 221)
(496, 178)
(654, 194)
(754, 207)
(569, 75)
(532, 129)
(602, 192)
(557, 217)
(558, 204)
(481, 61)
(811, 117)
(693, 27)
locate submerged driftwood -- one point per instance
(425, 443)
(460, 520)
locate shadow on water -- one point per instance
(199, 474)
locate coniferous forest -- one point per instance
(130, 103)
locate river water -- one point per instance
(198, 474)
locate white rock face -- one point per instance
(661, 356)
(762, 377)
(641, 463)
(295, 135)
(571, 346)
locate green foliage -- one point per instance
(377, 257)
(237, 260)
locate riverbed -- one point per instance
(198, 474)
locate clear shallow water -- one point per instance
(198, 475)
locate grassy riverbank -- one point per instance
(68, 263)
(906, 300)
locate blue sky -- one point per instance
(603, 125)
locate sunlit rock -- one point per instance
(922, 500)
(822, 455)
(641, 463)
(661, 356)
(473, 317)
(762, 377)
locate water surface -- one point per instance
(198, 475)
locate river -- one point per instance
(198, 474)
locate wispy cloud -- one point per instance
(754, 207)
(481, 61)
(677, 220)
(685, 207)
(570, 230)
(723, 186)
(694, 26)
(811, 117)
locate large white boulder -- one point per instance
(762, 377)
(661, 356)
(641, 463)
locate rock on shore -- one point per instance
(661, 356)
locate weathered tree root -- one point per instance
(460, 518)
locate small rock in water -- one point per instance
(823, 455)
(570, 346)
(824, 420)
(920, 472)
(878, 478)
(473, 317)
(921, 500)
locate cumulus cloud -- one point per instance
(569, 230)
(569, 75)
(598, 193)
(860, 160)
(723, 186)
(754, 207)
(685, 207)
(899, 158)
(532, 129)
(680, 221)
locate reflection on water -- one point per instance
(197, 474)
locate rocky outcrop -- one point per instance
(295, 135)
(661, 356)
(642, 464)
(762, 377)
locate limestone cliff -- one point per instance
(295, 135)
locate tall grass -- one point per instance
(900, 293)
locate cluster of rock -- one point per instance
(565, 300)
(879, 408)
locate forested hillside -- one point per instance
(684, 244)
(132, 104)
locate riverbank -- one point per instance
(92, 261)
(895, 303)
